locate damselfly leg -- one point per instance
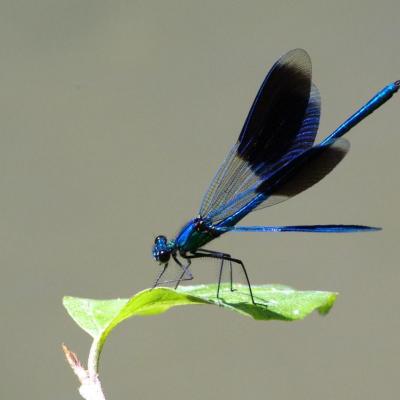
(160, 276)
(185, 271)
(219, 255)
(223, 257)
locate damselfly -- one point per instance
(273, 159)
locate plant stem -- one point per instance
(94, 356)
(90, 388)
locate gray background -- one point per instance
(114, 117)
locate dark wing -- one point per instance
(282, 123)
(303, 171)
(292, 178)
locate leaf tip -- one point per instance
(66, 300)
(330, 301)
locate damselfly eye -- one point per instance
(160, 238)
(163, 256)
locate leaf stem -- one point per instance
(94, 357)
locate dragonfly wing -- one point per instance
(294, 177)
(277, 113)
(303, 172)
(300, 228)
(282, 123)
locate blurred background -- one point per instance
(114, 117)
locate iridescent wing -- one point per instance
(282, 124)
(303, 171)
(297, 175)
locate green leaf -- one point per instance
(99, 317)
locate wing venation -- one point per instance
(282, 124)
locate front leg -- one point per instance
(184, 270)
(157, 281)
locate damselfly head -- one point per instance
(161, 249)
